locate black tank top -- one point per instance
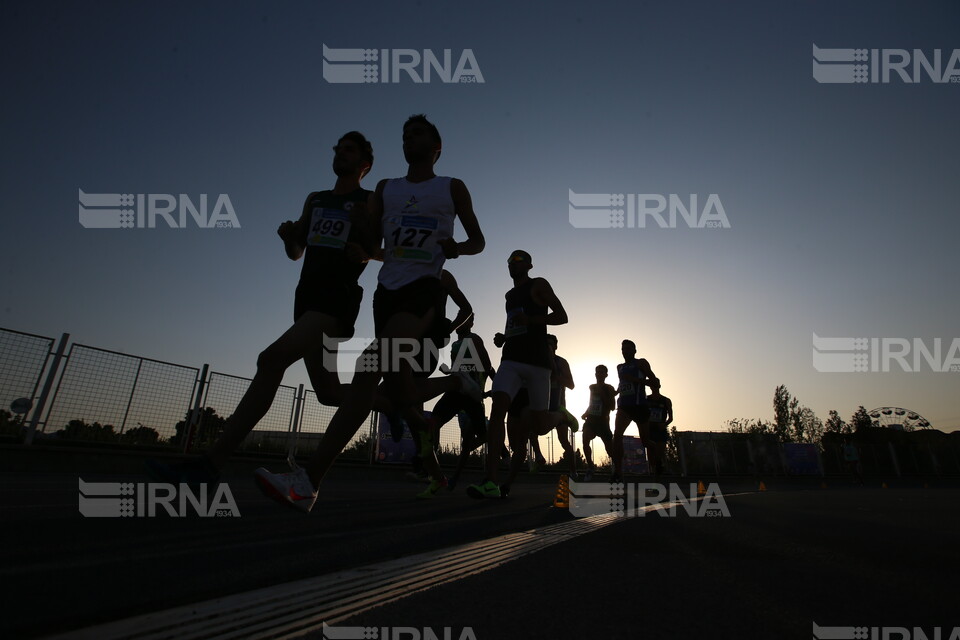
(525, 343)
(331, 221)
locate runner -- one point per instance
(531, 305)
(332, 234)
(459, 382)
(631, 403)
(469, 356)
(596, 419)
(661, 415)
(561, 379)
(416, 214)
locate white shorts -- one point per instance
(511, 376)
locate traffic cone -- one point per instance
(763, 486)
(562, 497)
(823, 485)
(701, 489)
(884, 486)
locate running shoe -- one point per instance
(419, 476)
(293, 488)
(504, 490)
(468, 386)
(433, 489)
(193, 472)
(486, 489)
(588, 476)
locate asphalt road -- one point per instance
(785, 558)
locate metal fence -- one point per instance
(110, 397)
(23, 358)
(107, 396)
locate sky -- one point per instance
(840, 198)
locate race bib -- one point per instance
(656, 414)
(512, 328)
(329, 228)
(414, 239)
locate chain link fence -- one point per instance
(23, 359)
(105, 396)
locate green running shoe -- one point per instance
(433, 489)
(483, 490)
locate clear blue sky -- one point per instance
(842, 198)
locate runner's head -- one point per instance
(628, 349)
(352, 153)
(601, 373)
(654, 384)
(421, 140)
(519, 263)
(552, 341)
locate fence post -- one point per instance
(133, 390)
(295, 423)
(683, 456)
(42, 401)
(933, 460)
(195, 412)
(893, 457)
(374, 437)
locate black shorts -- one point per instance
(340, 301)
(639, 413)
(453, 402)
(418, 298)
(658, 432)
(599, 426)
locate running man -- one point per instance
(469, 356)
(634, 374)
(333, 231)
(531, 305)
(661, 415)
(561, 379)
(596, 419)
(416, 215)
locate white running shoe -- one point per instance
(293, 488)
(468, 386)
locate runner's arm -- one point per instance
(484, 356)
(463, 205)
(543, 295)
(465, 310)
(294, 234)
(564, 374)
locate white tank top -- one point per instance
(415, 216)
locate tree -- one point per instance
(79, 430)
(209, 427)
(141, 435)
(860, 420)
(781, 413)
(812, 426)
(835, 423)
(747, 425)
(796, 420)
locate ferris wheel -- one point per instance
(898, 419)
